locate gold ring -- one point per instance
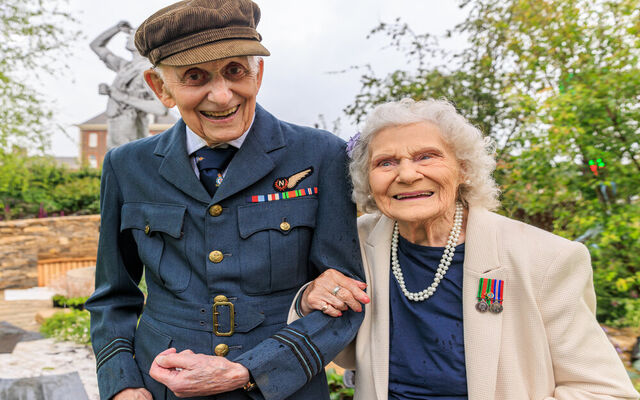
(324, 307)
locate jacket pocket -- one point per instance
(276, 237)
(158, 232)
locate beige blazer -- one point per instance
(546, 344)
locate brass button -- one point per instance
(220, 299)
(285, 226)
(215, 210)
(216, 256)
(147, 229)
(221, 350)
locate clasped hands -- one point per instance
(188, 374)
(332, 293)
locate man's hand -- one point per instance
(133, 394)
(188, 374)
(332, 293)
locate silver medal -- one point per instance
(482, 306)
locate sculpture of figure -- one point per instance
(130, 99)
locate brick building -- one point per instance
(93, 136)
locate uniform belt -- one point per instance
(197, 316)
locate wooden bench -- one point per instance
(49, 270)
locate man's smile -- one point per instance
(220, 114)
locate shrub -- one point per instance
(72, 326)
(32, 187)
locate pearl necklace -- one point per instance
(445, 261)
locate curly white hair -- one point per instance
(473, 151)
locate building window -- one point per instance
(93, 163)
(93, 140)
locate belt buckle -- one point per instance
(221, 301)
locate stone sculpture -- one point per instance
(130, 99)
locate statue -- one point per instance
(130, 99)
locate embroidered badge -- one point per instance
(219, 180)
(281, 196)
(283, 184)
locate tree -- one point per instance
(557, 84)
(34, 35)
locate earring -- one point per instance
(468, 182)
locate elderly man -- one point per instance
(230, 211)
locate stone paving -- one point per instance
(48, 357)
(42, 357)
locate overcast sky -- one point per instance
(307, 39)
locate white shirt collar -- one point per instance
(195, 142)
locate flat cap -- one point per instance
(196, 31)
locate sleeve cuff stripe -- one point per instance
(310, 346)
(113, 348)
(298, 354)
(113, 353)
(125, 342)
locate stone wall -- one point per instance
(23, 242)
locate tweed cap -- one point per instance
(196, 31)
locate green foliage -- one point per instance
(34, 37)
(555, 83)
(72, 326)
(616, 261)
(337, 390)
(69, 302)
(29, 183)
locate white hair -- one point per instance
(473, 152)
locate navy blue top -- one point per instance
(426, 351)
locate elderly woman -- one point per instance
(465, 303)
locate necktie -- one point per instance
(211, 163)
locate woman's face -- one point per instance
(413, 173)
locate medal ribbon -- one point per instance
(495, 292)
(482, 288)
(500, 288)
(488, 290)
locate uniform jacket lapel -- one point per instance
(256, 158)
(482, 331)
(176, 167)
(378, 253)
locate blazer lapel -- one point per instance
(482, 331)
(176, 167)
(378, 254)
(256, 157)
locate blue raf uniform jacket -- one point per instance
(222, 272)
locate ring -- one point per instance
(324, 307)
(336, 290)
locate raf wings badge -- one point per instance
(283, 184)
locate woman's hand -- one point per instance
(332, 293)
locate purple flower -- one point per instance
(351, 144)
(41, 212)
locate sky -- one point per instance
(309, 40)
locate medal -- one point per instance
(496, 307)
(482, 305)
(490, 295)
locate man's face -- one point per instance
(216, 99)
